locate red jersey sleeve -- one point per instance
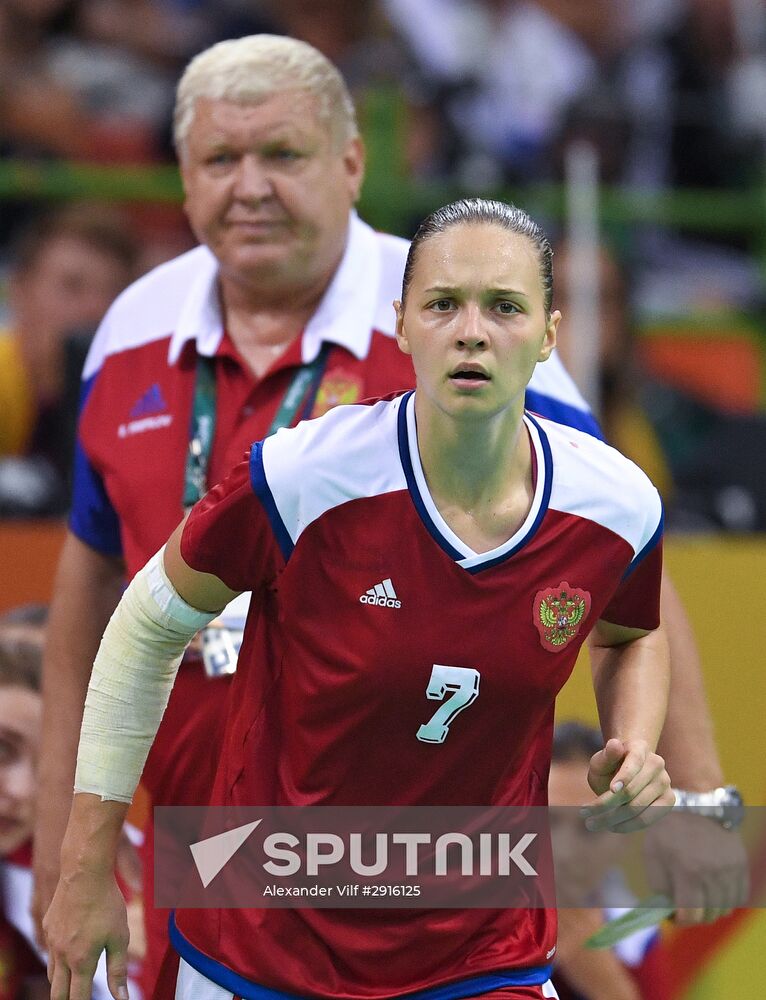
(636, 602)
(229, 534)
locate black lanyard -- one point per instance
(303, 389)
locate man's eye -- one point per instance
(283, 154)
(220, 159)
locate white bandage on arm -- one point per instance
(132, 678)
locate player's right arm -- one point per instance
(132, 677)
(86, 591)
(201, 590)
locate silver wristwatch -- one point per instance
(724, 805)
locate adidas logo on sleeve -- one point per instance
(382, 595)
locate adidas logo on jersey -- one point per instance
(150, 403)
(382, 595)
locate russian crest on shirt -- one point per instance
(558, 614)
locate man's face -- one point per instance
(20, 717)
(269, 190)
(67, 288)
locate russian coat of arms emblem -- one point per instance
(558, 613)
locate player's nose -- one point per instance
(471, 333)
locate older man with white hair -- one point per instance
(283, 310)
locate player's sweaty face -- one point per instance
(269, 188)
(20, 720)
(474, 319)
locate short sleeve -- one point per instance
(230, 535)
(636, 602)
(92, 518)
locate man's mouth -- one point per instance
(256, 223)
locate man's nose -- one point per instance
(252, 181)
(471, 333)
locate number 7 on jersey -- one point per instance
(463, 682)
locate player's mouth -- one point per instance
(468, 376)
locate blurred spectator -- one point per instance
(35, 113)
(66, 269)
(90, 79)
(665, 90)
(625, 422)
(507, 72)
(356, 37)
(697, 453)
(373, 57)
(22, 973)
(632, 970)
(22, 964)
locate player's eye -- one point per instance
(506, 308)
(441, 305)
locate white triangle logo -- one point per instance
(211, 855)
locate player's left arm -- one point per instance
(631, 679)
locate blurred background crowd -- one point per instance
(655, 107)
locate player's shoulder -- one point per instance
(593, 480)
(348, 453)
(149, 308)
(344, 433)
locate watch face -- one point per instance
(733, 811)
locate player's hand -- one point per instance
(86, 917)
(699, 865)
(45, 879)
(632, 786)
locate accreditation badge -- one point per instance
(222, 639)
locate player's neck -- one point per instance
(479, 475)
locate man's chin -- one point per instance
(256, 261)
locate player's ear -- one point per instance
(551, 332)
(401, 336)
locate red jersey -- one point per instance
(138, 387)
(360, 592)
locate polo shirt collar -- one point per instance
(345, 315)
(200, 315)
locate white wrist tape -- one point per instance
(132, 677)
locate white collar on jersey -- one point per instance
(347, 314)
(463, 554)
